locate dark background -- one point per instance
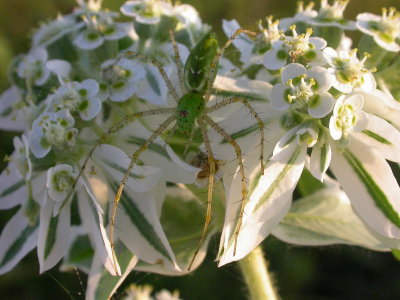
(334, 272)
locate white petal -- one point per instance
(322, 77)
(94, 107)
(271, 60)
(335, 132)
(292, 71)
(123, 92)
(321, 105)
(278, 100)
(91, 86)
(82, 41)
(59, 67)
(319, 43)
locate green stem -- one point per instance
(255, 272)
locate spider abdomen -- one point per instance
(189, 108)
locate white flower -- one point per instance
(301, 48)
(146, 11)
(347, 117)
(120, 79)
(303, 14)
(98, 31)
(349, 72)
(78, 97)
(332, 15)
(385, 29)
(52, 130)
(60, 180)
(33, 66)
(303, 88)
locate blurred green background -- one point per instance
(334, 272)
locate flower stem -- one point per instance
(255, 272)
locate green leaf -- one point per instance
(308, 184)
(326, 217)
(11, 189)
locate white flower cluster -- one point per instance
(93, 90)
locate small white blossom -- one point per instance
(78, 97)
(33, 66)
(60, 180)
(349, 72)
(332, 15)
(347, 117)
(98, 31)
(146, 11)
(120, 79)
(301, 48)
(303, 88)
(385, 29)
(52, 130)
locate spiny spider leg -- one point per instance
(190, 141)
(238, 151)
(121, 186)
(246, 103)
(214, 64)
(113, 129)
(178, 62)
(211, 163)
(160, 68)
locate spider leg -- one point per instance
(214, 64)
(238, 151)
(113, 129)
(246, 103)
(160, 68)
(189, 142)
(178, 62)
(122, 184)
(211, 162)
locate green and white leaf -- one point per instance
(17, 239)
(368, 181)
(94, 226)
(54, 234)
(326, 217)
(183, 219)
(381, 136)
(101, 284)
(269, 200)
(158, 154)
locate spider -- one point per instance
(196, 79)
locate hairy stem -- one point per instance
(258, 280)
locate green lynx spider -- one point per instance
(195, 83)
